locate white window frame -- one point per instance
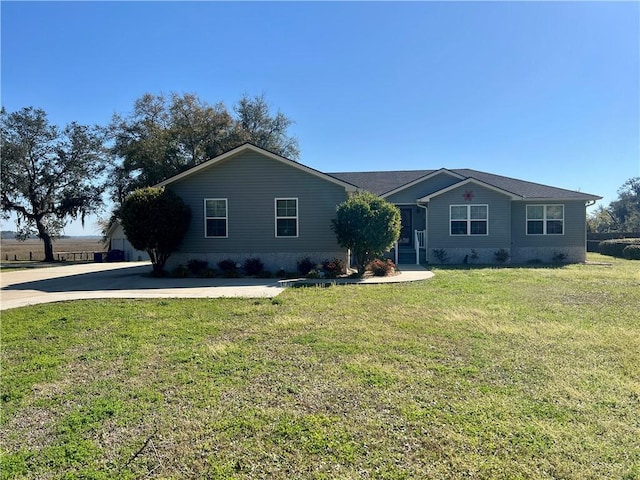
(544, 219)
(277, 217)
(225, 218)
(469, 220)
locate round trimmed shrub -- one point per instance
(155, 220)
(631, 252)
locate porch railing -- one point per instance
(420, 242)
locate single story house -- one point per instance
(250, 202)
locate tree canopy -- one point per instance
(155, 220)
(165, 135)
(49, 174)
(623, 214)
(368, 225)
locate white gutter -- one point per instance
(587, 204)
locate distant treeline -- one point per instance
(7, 235)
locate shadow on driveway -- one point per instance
(122, 280)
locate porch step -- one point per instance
(409, 256)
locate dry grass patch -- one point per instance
(33, 249)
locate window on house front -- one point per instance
(215, 217)
(286, 217)
(469, 219)
(545, 219)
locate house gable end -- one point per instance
(410, 193)
(247, 147)
(468, 181)
(257, 206)
(424, 178)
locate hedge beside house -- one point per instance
(594, 239)
(631, 252)
(617, 247)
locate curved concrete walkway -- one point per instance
(130, 280)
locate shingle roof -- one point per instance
(386, 181)
(381, 182)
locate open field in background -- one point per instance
(483, 373)
(14, 249)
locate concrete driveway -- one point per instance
(132, 280)
(119, 280)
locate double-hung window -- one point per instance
(286, 217)
(545, 219)
(215, 217)
(469, 219)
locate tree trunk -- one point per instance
(158, 261)
(46, 239)
(361, 263)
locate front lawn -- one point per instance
(479, 373)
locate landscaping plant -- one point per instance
(155, 220)
(368, 225)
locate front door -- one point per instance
(406, 227)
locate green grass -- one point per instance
(480, 373)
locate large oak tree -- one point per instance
(49, 174)
(165, 135)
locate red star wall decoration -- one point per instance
(467, 195)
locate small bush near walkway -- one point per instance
(333, 268)
(382, 268)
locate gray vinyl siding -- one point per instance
(250, 182)
(422, 189)
(574, 225)
(499, 227)
(571, 243)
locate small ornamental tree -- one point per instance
(155, 220)
(368, 225)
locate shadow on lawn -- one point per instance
(129, 278)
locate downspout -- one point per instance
(426, 232)
(587, 204)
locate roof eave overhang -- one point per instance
(585, 198)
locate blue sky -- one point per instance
(544, 91)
